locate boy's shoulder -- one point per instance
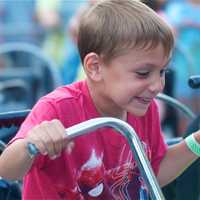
(67, 92)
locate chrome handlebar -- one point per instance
(135, 144)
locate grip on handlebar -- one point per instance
(194, 81)
(32, 150)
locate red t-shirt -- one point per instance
(101, 165)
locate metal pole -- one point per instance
(177, 104)
(135, 144)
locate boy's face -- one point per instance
(131, 81)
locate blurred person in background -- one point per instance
(55, 16)
(18, 22)
(167, 113)
(71, 70)
(71, 62)
(21, 57)
(183, 12)
(184, 17)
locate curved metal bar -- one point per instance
(177, 104)
(13, 84)
(12, 118)
(133, 140)
(33, 50)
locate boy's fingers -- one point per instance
(54, 131)
(34, 139)
(60, 130)
(48, 139)
(57, 134)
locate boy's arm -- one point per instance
(176, 160)
(50, 139)
(39, 128)
(15, 160)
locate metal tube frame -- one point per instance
(177, 104)
(135, 144)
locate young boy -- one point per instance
(125, 48)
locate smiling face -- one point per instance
(129, 82)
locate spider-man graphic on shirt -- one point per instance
(95, 182)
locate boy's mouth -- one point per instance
(144, 100)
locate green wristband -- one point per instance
(193, 145)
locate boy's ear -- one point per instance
(92, 66)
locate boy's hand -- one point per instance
(50, 138)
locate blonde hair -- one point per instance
(112, 27)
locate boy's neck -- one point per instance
(122, 116)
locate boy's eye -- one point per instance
(143, 74)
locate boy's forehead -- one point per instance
(147, 50)
(149, 56)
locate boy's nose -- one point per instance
(157, 85)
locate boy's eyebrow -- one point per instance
(152, 65)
